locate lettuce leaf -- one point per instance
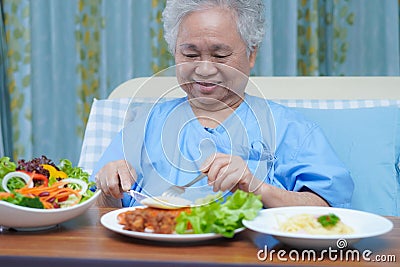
(78, 173)
(21, 200)
(220, 217)
(6, 166)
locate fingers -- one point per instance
(127, 177)
(217, 166)
(213, 161)
(115, 178)
(227, 179)
(226, 172)
(205, 167)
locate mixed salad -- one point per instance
(40, 183)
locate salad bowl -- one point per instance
(32, 219)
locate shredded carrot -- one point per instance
(4, 195)
(49, 194)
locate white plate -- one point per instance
(29, 219)
(110, 221)
(364, 224)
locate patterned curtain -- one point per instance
(161, 58)
(322, 36)
(5, 120)
(63, 54)
(331, 38)
(16, 20)
(88, 32)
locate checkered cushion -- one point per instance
(107, 118)
(338, 104)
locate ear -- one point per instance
(252, 57)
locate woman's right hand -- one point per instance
(115, 178)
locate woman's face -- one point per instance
(212, 63)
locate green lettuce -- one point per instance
(78, 173)
(220, 217)
(6, 166)
(21, 200)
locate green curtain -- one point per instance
(16, 20)
(161, 58)
(5, 120)
(323, 36)
(89, 25)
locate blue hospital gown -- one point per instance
(166, 144)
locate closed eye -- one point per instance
(191, 55)
(221, 56)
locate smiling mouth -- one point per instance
(207, 84)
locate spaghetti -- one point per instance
(307, 223)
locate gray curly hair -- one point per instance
(250, 18)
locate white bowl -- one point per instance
(28, 219)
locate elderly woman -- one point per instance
(239, 141)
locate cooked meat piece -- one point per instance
(165, 223)
(159, 221)
(132, 221)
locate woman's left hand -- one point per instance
(228, 172)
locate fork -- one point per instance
(177, 190)
(137, 195)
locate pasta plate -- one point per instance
(364, 224)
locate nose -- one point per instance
(205, 68)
